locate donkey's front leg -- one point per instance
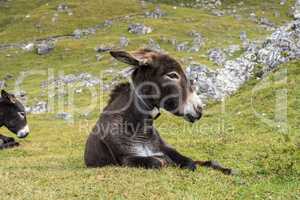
(7, 142)
(145, 162)
(177, 158)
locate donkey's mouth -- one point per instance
(23, 132)
(191, 118)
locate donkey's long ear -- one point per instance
(125, 57)
(136, 59)
(8, 97)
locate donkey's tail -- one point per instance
(10, 144)
(217, 166)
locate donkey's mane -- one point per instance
(119, 89)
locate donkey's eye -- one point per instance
(172, 75)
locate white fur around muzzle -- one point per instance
(23, 132)
(192, 103)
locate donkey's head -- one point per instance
(13, 115)
(162, 82)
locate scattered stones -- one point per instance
(152, 44)
(2, 84)
(243, 36)
(55, 17)
(282, 46)
(108, 23)
(183, 46)
(104, 48)
(268, 24)
(156, 14)
(282, 2)
(62, 7)
(79, 33)
(45, 47)
(28, 47)
(81, 80)
(218, 13)
(217, 56)
(206, 4)
(139, 29)
(232, 49)
(198, 41)
(124, 41)
(40, 107)
(297, 10)
(220, 83)
(64, 116)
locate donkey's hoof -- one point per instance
(7, 145)
(190, 165)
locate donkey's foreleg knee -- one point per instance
(145, 162)
(179, 159)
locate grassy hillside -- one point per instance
(49, 163)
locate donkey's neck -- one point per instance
(2, 111)
(132, 109)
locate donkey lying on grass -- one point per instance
(125, 135)
(13, 116)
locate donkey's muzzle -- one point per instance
(192, 118)
(23, 132)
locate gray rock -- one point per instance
(297, 10)
(217, 56)
(243, 36)
(2, 84)
(28, 47)
(64, 116)
(264, 21)
(80, 80)
(152, 44)
(197, 42)
(183, 46)
(108, 22)
(40, 107)
(156, 14)
(104, 48)
(218, 13)
(232, 49)
(62, 7)
(79, 33)
(124, 41)
(281, 46)
(282, 2)
(217, 84)
(139, 29)
(45, 47)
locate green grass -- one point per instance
(49, 163)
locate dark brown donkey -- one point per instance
(13, 117)
(125, 135)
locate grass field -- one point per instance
(49, 163)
